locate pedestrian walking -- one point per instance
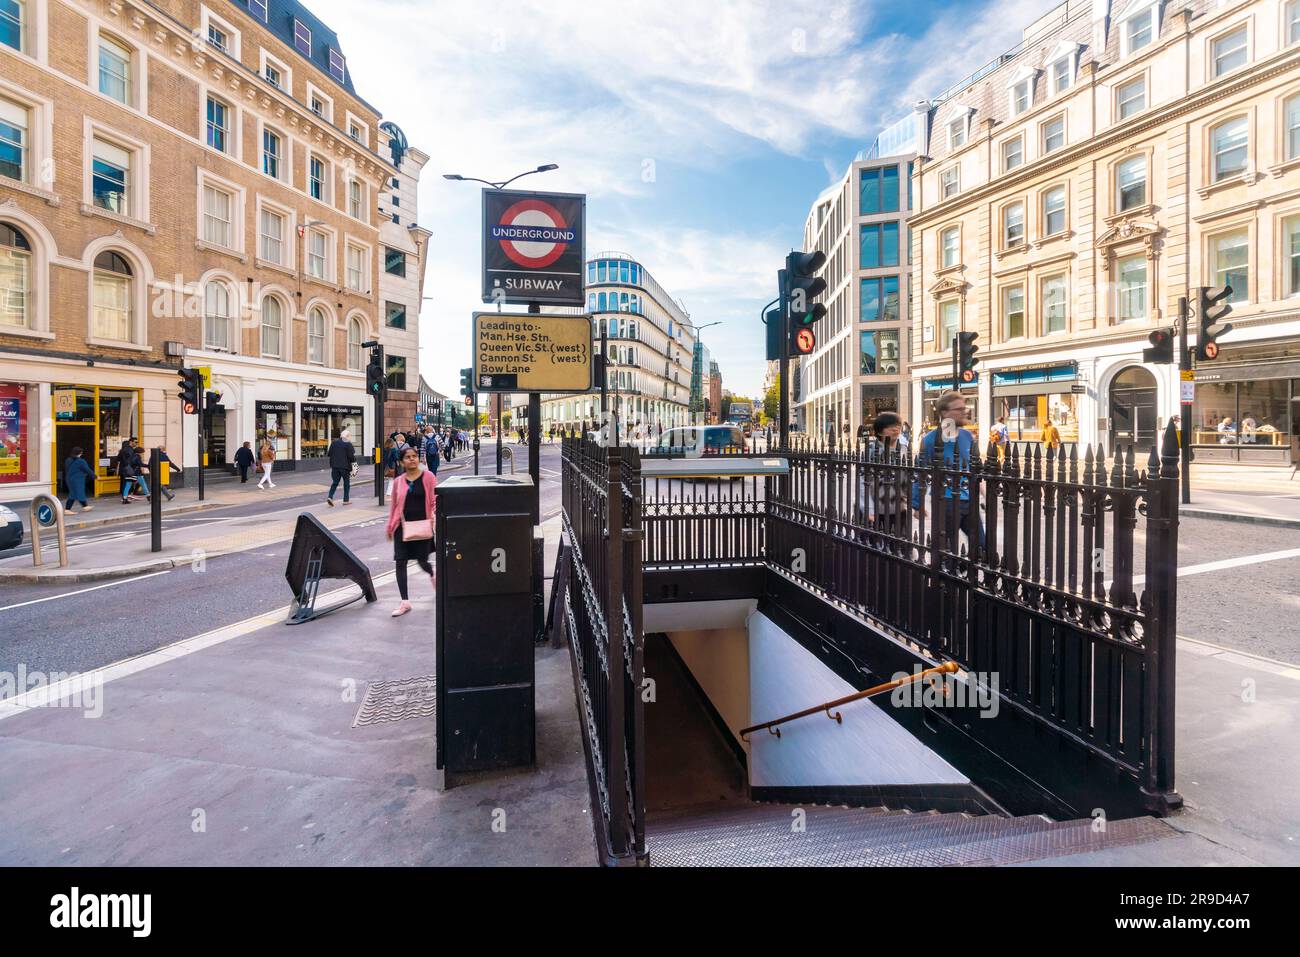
(431, 451)
(957, 447)
(267, 458)
(410, 522)
(76, 472)
(1051, 437)
(342, 454)
(122, 463)
(244, 461)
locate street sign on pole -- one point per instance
(532, 353)
(534, 247)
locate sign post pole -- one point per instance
(1187, 390)
(203, 449)
(535, 439)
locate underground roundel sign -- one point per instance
(533, 247)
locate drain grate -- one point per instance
(397, 700)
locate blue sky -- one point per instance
(700, 131)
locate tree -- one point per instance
(772, 400)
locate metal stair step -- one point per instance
(744, 814)
(1072, 837)
(777, 826)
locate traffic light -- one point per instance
(800, 286)
(1162, 347)
(190, 383)
(467, 385)
(773, 320)
(1212, 309)
(375, 384)
(966, 360)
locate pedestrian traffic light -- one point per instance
(966, 350)
(799, 287)
(1212, 309)
(375, 384)
(190, 382)
(1162, 347)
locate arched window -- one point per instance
(354, 344)
(113, 294)
(15, 278)
(216, 316)
(272, 328)
(316, 336)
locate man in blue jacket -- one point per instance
(958, 443)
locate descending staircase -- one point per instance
(750, 834)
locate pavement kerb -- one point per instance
(1239, 517)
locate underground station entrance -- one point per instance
(820, 656)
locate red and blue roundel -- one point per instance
(533, 234)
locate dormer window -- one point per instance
(1139, 28)
(957, 133)
(1061, 66)
(1061, 76)
(258, 9)
(338, 65)
(1021, 96)
(301, 37)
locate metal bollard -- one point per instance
(509, 453)
(57, 507)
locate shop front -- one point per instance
(16, 440)
(322, 424)
(1247, 405)
(1029, 398)
(98, 420)
(931, 389)
(274, 425)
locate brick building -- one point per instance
(183, 179)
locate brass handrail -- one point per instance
(947, 668)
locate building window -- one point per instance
(1231, 257)
(950, 246)
(217, 217)
(396, 373)
(1132, 288)
(1054, 211)
(109, 177)
(1053, 134)
(316, 178)
(271, 236)
(394, 262)
(1291, 112)
(272, 154)
(218, 126)
(1229, 142)
(878, 299)
(394, 315)
(354, 131)
(1013, 154)
(316, 336)
(273, 77)
(1292, 229)
(1013, 312)
(317, 254)
(1131, 97)
(114, 70)
(258, 9)
(356, 199)
(1054, 304)
(217, 38)
(13, 24)
(1293, 21)
(15, 278)
(356, 268)
(112, 317)
(1062, 75)
(13, 140)
(879, 353)
(949, 322)
(948, 182)
(301, 38)
(317, 105)
(879, 242)
(1022, 96)
(338, 66)
(1229, 51)
(1139, 30)
(354, 344)
(957, 133)
(272, 328)
(1013, 224)
(216, 317)
(877, 191)
(1131, 183)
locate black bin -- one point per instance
(486, 696)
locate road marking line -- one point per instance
(1226, 563)
(43, 696)
(82, 591)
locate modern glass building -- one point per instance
(651, 350)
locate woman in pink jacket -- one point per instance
(410, 520)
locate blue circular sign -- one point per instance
(45, 514)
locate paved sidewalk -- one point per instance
(238, 748)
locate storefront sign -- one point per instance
(532, 353)
(13, 433)
(1078, 389)
(65, 403)
(205, 374)
(534, 247)
(316, 392)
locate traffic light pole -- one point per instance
(380, 491)
(956, 362)
(1185, 433)
(783, 368)
(535, 440)
(203, 446)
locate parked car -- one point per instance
(702, 440)
(11, 529)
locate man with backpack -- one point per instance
(949, 446)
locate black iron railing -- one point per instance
(601, 489)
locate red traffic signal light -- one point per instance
(1211, 350)
(968, 375)
(803, 340)
(1162, 346)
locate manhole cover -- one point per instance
(397, 700)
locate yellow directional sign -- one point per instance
(1188, 375)
(532, 353)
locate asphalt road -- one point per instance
(1250, 605)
